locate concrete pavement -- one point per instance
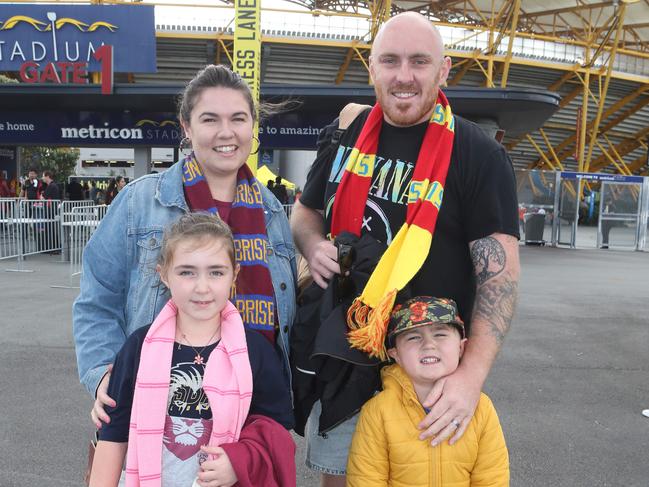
(569, 385)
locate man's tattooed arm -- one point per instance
(496, 267)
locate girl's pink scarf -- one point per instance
(227, 384)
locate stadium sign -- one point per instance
(53, 34)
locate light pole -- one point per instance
(51, 16)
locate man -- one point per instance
(279, 190)
(51, 239)
(473, 257)
(33, 188)
(75, 191)
(93, 192)
(52, 191)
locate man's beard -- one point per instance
(409, 113)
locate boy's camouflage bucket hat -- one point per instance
(422, 311)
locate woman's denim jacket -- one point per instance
(120, 288)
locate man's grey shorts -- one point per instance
(328, 453)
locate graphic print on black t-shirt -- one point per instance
(188, 422)
(385, 208)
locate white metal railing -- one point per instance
(84, 220)
(9, 238)
(65, 227)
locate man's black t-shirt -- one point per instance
(52, 192)
(479, 198)
(33, 189)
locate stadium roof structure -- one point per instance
(594, 54)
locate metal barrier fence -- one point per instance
(288, 209)
(9, 238)
(66, 224)
(84, 220)
(39, 226)
(583, 209)
(28, 227)
(619, 217)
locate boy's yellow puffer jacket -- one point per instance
(386, 449)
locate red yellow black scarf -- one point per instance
(368, 316)
(253, 294)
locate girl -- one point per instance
(194, 359)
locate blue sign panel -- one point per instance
(86, 129)
(72, 33)
(616, 178)
(126, 129)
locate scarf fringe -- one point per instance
(369, 325)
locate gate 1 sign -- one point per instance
(31, 71)
(46, 34)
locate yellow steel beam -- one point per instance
(541, 153)
(560, 82)
(620, 169)
(343, 68)
(564, 101)
(460, 74)
(627, 113)
(637, 163)
(609, 70)
(510, 45)
(583, 123)
(549, 146)
(623, 148)
(226, 51)
(573, 9)
(489, 81)
(362, 59)
(380, 12)
(479, 12)
(616, 23)
(617, 154)
(565, 144)
(490, 61)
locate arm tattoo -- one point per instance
(488, 258)
(496, 290)
(495, 303)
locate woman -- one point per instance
(120, 290)
(114, 187)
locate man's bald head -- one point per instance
(404, 22)
(407, 66)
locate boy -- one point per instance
(426, 340)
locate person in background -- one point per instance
(279, 190)
(52, 191)
(92, 192)
(5, 192)
(114, 187)
(75, 191)
(32, 187)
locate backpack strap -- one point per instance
(347, 115)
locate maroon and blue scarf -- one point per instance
(253, 294)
